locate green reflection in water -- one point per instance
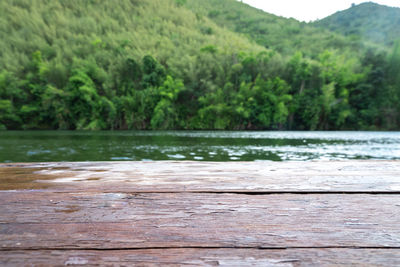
(36, 146)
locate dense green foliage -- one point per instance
(185, 64)
(286, 36)
(366, 21)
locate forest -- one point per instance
(187, 64)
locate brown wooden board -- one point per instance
(119, 221)
(185, 176)
(200, 213)
(204, 257)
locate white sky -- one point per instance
(309, 10)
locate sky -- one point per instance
(309, 10)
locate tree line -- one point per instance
(215, 90)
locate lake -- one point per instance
(36, 146)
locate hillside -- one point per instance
(186, 64)
(367, 22)
(62, 30)
(284, 35)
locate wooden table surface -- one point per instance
(200, 213)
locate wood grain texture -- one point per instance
(200, 213)
(185, 176)
(118, 221)
(204, 257)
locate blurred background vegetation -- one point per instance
(190, 64)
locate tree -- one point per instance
(153, 72)
(165, 114)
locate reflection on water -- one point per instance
(34, 146)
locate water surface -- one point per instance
(35, 146)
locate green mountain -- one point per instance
(64, 30)
(281, 34)
(186, 64)
(366, 21)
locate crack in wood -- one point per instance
(198, 247)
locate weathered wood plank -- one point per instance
(118, 221)
(184, 176)
(205, 257)
(176, 213)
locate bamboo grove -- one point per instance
(160, 64)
